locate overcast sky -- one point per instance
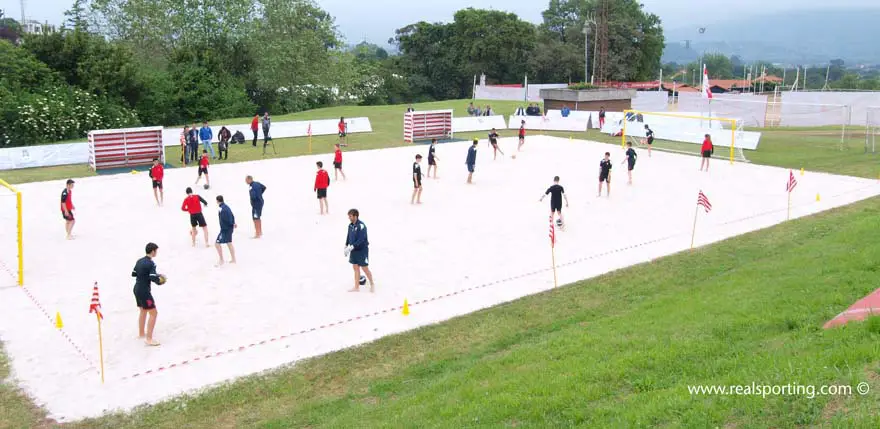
(377, 19)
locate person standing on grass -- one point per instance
(67, 208)
(255, 126)
(256, 190)
(337, 164)
(322, 182)
(223, 145)
(227, 226)
(184, 148)
(706, 151)
(194, 142)
(267, 123)
(557, 193)
(206, 135)
(493, 141)
(417, 181)
(432, 158)
(357, 249)
(192, 204)
(157, 173)
(342, 131)
(630, 161)
(144, 272)
(471, 160)
(522, 135)
(605, 174)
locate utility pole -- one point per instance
(588, 21)
(23, 17)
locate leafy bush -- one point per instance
(581, 85)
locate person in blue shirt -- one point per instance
(144, 272)
(256, 192)
(565, 111)
(206, 135)
(227, 226)
(471, 160)
(357, 248)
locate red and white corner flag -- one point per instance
(552, 233)
(703, 201)
(310, 129)
(707, 92)
(95, 307)
(791, 182)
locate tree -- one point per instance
(10, 29)
(717, 65)
(492, 42)
(77, 18)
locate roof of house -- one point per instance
(727, 84)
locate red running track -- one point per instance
(867, 306)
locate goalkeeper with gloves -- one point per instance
(357, 250)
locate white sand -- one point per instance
(491, 236)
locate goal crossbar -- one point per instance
(19, 245)
(731, 121)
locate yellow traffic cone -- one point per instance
(58, 323)
(802, 171)
(817, 197)
(405, 308)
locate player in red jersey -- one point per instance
(322, 182)
(706, 150)
(196, 218)
(67, 208)
(203, 169)
(157, 172)
(522, 135)
(342, 131)
(337, 164)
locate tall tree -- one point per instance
(10, 29)
(492, 42)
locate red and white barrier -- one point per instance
(128, 147)
(427, 125)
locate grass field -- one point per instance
(616, 351)
(796, 148)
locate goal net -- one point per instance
(872, 129)
(684, 133)
(427, 125)
(11, 258)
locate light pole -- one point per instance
(586, 51)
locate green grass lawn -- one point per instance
(798, 148)
(614, 351)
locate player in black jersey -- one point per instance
(649, 138)
(432, 158)
(493, 141)
(605, 174)
(144, 273)
(630, 161)
(417, 181)
(557, 193)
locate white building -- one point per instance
(31, 26)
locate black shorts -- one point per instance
(337, 165)
(144, 300)
(604, 177)
(68, 217)
(556, 207)
(432, 161)
(322, 193)
(650, 140)
(630, 165)
(417, 183)
(157, 184)
(522, 138)
(257, 211)
(197, 219)
(360, 258)
(342, 134)
(707, 154)
(203, 171)
(493, 142)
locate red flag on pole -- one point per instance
(703, 201)
(552, 233)
(791, 182)
(95, 307)
(707, 91)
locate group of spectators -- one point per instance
(476, 111)
(192, 136)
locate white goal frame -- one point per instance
(733, 127)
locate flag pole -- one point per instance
(694, 231)
(100, 346)
(788, 214)
(553, 258)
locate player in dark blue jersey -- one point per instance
(630, 161)
(432, 158)
(357, 249)
(256, 190)
(605, 174)
(144, 273)
(227, 226)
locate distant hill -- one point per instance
(796, 37)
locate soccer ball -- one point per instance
(207, 186)
(558, 222)
(363, 280)
(513, 156)
(162, 279)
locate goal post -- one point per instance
(684, 133)
(872, 128)
(11, 245)
(427, 125)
